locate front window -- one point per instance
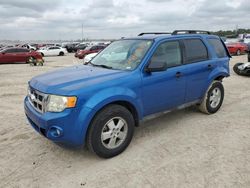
(123, 54)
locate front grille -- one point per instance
(37, 100)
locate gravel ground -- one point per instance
(180, 149)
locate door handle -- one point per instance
(178, 75)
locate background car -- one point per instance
(247, 38)
(79, 47)
(29, 46)
(237, 48)
(88, 50)
(70, 46)
(16, 55)
(52, 51)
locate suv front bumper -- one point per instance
(64, 127)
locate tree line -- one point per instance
(231, 33)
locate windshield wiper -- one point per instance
(103, 66)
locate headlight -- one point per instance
(59, 103)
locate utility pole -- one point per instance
(82, 32)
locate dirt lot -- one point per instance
(181, 149)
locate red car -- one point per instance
(88, 50)
(237, 48)
(16, 55)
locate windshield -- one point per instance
(123, 54)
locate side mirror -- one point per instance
(156, 66)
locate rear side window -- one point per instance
(195, 50)
(218, 47)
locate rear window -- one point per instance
(195, 50)
(218, 47)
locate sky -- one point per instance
(111, 19)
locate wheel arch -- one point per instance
(129, 106)
(118, 95)
(215, 76)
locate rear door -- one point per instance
(166, 89)
(198, 66)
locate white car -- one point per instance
(28, 46)
(88, 58)
(247, 39)
(53, 51)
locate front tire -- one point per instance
(111, 131)
(213, 98)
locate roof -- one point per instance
(174, 34)
(168, 36)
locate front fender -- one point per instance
(101, 99)
(110, 95)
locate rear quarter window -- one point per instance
(218, 47)
(195, 51)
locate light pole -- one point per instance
(82, 32)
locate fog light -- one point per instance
(56, 132)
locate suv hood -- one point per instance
(68, 80)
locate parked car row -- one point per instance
(21, 53)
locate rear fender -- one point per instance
(216, 73)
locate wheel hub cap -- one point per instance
(114, 133)
(215, 97)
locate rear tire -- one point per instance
(111, 131)
(235, 68)
(213, 98)
(61, 54)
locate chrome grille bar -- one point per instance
(37, 99)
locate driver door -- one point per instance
(164, 90)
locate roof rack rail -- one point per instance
(154, 33)
(176, 32)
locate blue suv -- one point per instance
(99, 104)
